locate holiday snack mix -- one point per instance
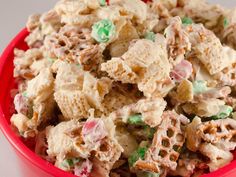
(124, 88)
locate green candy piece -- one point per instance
(67, 163)
(136, 119)
(149, 131)
(199, 86)
(102, 2)
(150, 36)
(70, 162)
(187, 21)
(103, 30)
(24, 94)
(226, 22)
(136, 155)
(224, 112)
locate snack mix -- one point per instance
(129, 89)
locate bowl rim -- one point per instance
(14, 140)
(226, 171)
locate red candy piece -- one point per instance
(94, 130)
(84, 169)
(181, 71)
(21, 104)
(88, 126)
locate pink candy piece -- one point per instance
(181, 71)
(94, 130)
(89, 125)
(21, 104)
(84, 169)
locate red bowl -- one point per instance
(32, 165)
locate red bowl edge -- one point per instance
(19, 146)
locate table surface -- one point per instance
(13, 15)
